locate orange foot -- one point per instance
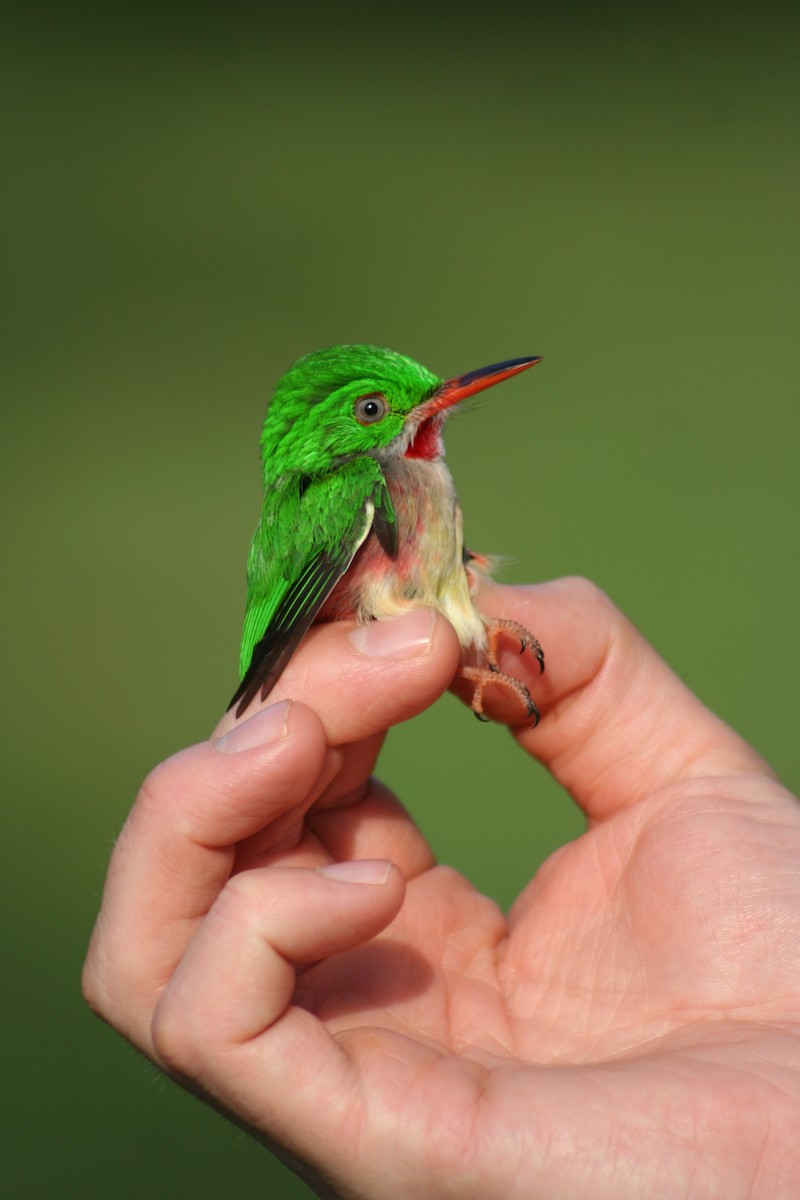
(491, 673)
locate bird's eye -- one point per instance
(369, 409)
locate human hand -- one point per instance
(630, 1030)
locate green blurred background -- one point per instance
(193, 198)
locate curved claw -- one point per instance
(484, 720)
(538, 652)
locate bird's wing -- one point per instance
(326, 532)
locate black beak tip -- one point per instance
(502, 369)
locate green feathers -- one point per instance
(311, 422)
(331, 414)
(305, 541)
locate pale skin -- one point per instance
(630, 1029)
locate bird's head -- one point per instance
(347, 401)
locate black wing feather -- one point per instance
(384, 524)
(292, 619)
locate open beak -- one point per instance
(454, 390)
(425, 422)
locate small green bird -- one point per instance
(360, 517)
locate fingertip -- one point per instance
(445, 643)
(268, 725)
(360, 870)
(407, 636)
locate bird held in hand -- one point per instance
(360, 517)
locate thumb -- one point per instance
(617, 723)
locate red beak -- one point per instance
(426, 441)
(455, 390)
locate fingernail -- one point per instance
(269, 725)
(362, 870)
(408, 636)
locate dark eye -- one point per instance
(369, 409)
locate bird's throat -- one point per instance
(427, 441)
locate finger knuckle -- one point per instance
(174, 1041)
(586, 592)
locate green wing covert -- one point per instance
(307, 537)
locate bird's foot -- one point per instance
(481, 677)
(488, 671)
(497, 626)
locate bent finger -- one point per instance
(225, 1020)
(178, 847)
